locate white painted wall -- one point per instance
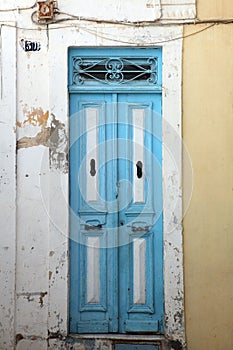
(34, 178)
(7, 186)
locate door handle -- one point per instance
(89, 227)
(139, 169)
(140, 226)
(140, 229)
(92, 167)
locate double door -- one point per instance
(116, 246)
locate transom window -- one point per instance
(115, 70)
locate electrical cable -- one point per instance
(104, 36)
(158, 21)
(19, 8)
(150, 43)
(79, 18)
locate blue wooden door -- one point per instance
(140, 209)
(116, 278)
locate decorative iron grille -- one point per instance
(116, 70)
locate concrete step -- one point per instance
(111, 342)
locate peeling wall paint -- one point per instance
(54, 137)
(41, 138)
(34, 244)
(58, 144)
(34, 116)
(42, 212)
(31, 296)
(36, 264)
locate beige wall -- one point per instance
(208, 224)
(207, 9)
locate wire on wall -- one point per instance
(70, 17)
(104, 36)
(19, 8)
(151, 43)
(69, 21)
(158, 21)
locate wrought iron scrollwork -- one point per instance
(115, 70)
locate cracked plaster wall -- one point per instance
(33, 122)
(33, 258)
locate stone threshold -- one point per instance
(137, 339)
(125, 337)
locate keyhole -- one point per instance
(92, 165)
(139, 169)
